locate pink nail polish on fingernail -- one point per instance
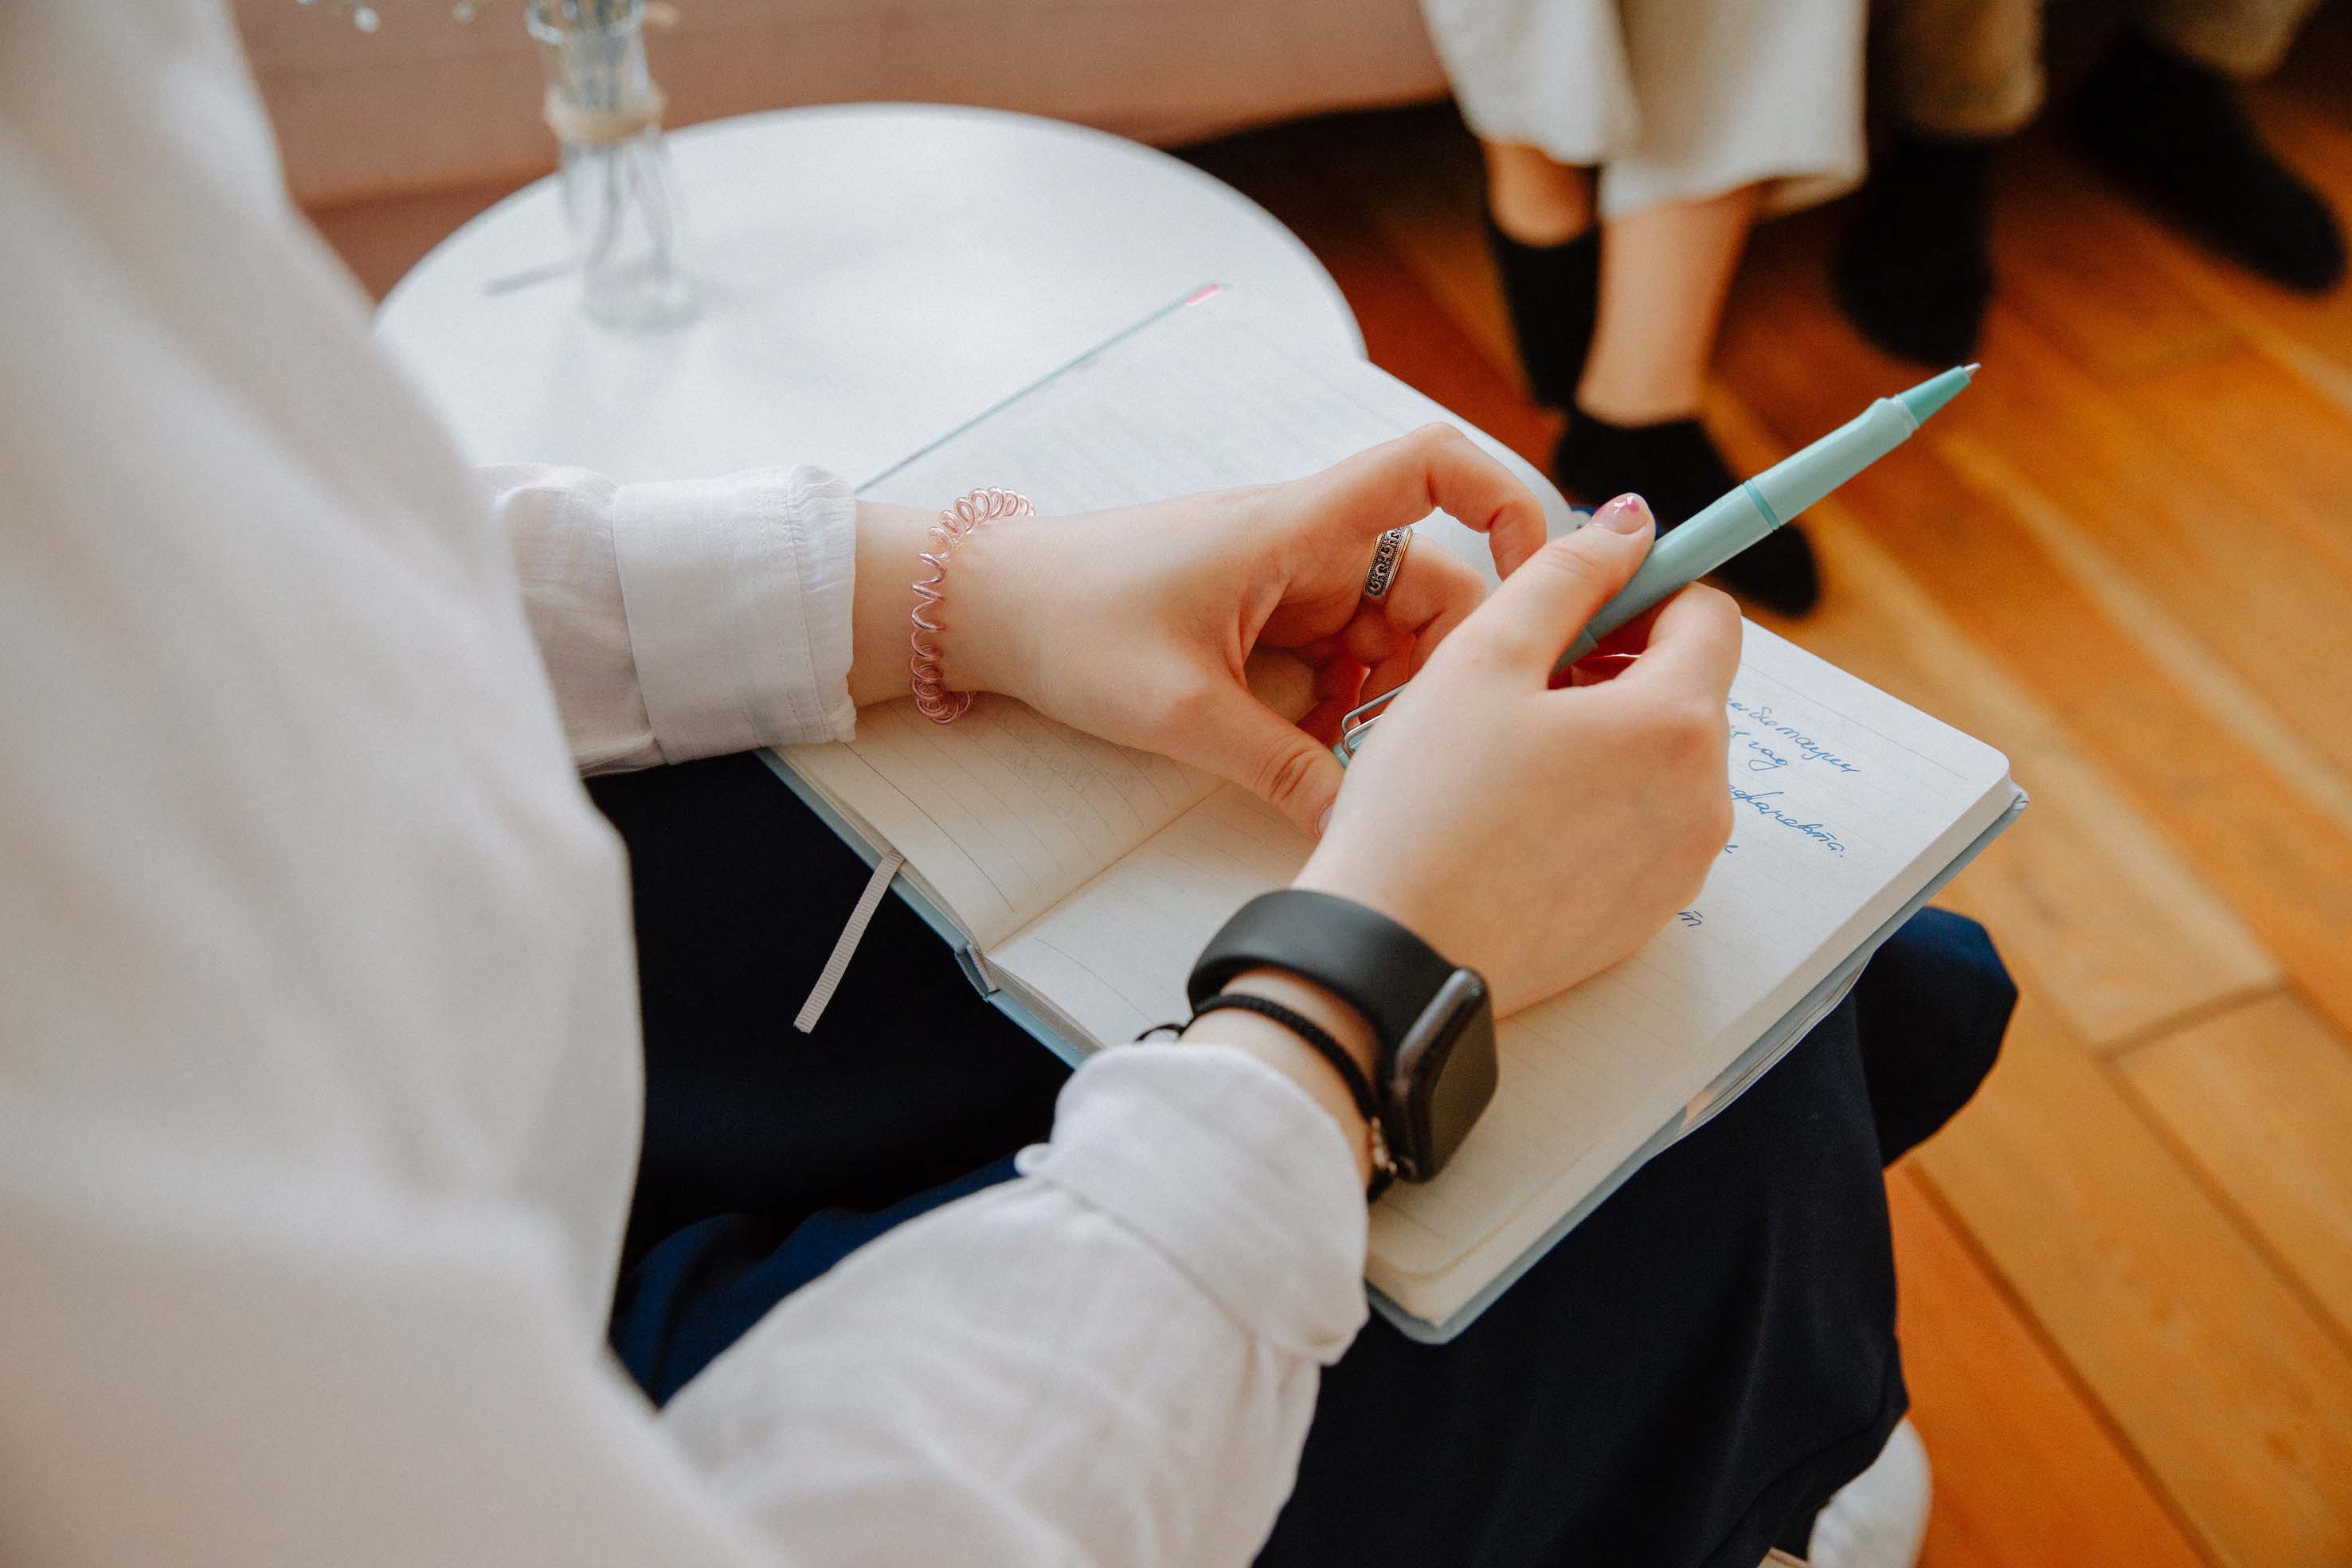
(1628, 514)
(1324, 820)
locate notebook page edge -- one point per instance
(868, 843)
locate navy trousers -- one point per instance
(1684, 1380)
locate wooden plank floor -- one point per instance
(2125, 558)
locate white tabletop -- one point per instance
(871, 277)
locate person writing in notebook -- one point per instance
(328, 1067)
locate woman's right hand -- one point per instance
(1540, 834)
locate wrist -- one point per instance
(1380, 883)
(984, 640)
(1338, 1019)
(888, 539)
(1433, 1018)
(1280, 1048)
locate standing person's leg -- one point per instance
(1616, 321)
(2162, 114)
(1665, 272)
(1535, 201)
(1554, 88)
(1540, 226)
(2242, 38)
(1743, 109)
(1915, 272)
(1959, 71)
(1543, 84)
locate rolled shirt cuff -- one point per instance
(1231, 1172)
(739, 593)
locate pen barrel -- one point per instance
(1736, 521)
(1802, 478)
(1721, 530)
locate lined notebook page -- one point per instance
(1846, 802)
(1193, 400)
(1004, 812)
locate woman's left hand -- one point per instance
(1138, 624)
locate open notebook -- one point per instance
(1079, 878)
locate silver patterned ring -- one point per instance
(1388, 559)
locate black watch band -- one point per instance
(1436, 1068)
(1367, 960)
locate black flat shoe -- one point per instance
(1778, 572)
(1675, 468)
(1915, 271)
(2174, 134)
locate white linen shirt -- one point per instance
(320, 1075)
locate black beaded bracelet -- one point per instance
(1320, 1042)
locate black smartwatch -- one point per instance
(1433, 1022)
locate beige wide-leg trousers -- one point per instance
(1972, 68)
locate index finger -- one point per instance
(1436, 468)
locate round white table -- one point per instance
(871, 277)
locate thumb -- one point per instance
(1541, 607)
(1240, 738)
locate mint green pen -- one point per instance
(1738, 519)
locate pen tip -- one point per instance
(1935, 391)
(1970, 369)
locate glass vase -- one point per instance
(620, 199)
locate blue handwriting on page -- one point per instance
(1764, 743)
(1765, 802)
(1760, 719)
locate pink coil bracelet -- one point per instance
(932, 698)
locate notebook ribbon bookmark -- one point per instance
(845, 948)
